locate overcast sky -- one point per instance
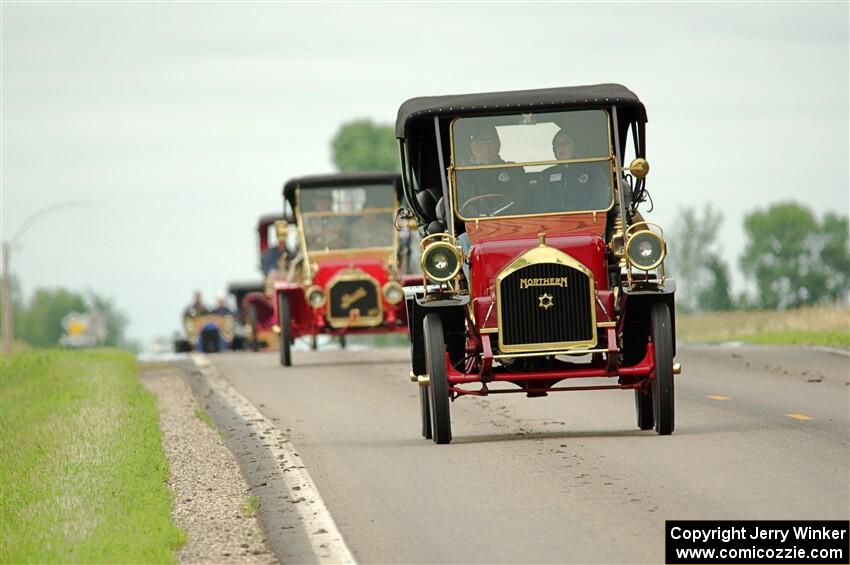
(180, 122)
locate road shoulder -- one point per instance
(212, 503)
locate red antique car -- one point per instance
(538, 269)
(345, 278)
(257, 303)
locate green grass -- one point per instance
(252, 504)
(83, 477)
(802, 337)
(816, 325)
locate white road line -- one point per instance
(325, 538)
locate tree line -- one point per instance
(38, 321)
(791, 259)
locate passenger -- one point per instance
(484, 147)
(221, 308)
(571, 186)
(276, 259)
(197, 307)
(373, 227)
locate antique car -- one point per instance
(538, 268)
(257, 304)
(239, 291)
(345, 278)
(208, 333)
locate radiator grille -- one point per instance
(350, 294)
(527, 320)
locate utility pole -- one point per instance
(8, 320)
(7, 303)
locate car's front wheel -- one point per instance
(662, 385)
(643, 407)
(425, 410)
(435, 362)
(285, 335)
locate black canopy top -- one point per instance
(339, 180)
(542, 99)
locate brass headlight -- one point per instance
(441, 261)
(315, 296)
(645, 250)
(393, 292)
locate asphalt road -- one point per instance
(761, 433)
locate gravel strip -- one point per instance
(211, 499)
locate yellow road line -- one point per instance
(717, 397)
(799, 416)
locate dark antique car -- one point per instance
(345, 278)
(208, 333)
(538, 268)
(239, 291)
(257, 302)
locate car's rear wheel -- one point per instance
(425, 410)
(435, 362)
(643, 407)
(285, 330)
(252, 321)
(662, 385)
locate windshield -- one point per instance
(525, 164)
(347, 217)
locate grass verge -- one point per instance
(252, 504)
(83, 475)
(202, 415)
(816, 325)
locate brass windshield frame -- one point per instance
(452, 170)
(391, 249)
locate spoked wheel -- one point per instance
(643, 407)
(342, 341)
(425, 410)
(435, 362)
(314, 342)
(285, 330)
(662, 385)
(252, 319)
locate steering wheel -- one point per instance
(472, 207)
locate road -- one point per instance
(761, 433)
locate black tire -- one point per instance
(285, 330)
(643, 408)
(342, 341)
(425, 411)
(314, 342)
(252, 320)
(435, 362)
(662, 385)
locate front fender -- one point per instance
(636, 305)
(452, 311)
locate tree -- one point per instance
(794, 259)
(716, 295)
(116, 321)
(701, 275)
(362, 145)
(40, 324)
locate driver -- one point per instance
(484, 147)
(571, 186)
(323, 230)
